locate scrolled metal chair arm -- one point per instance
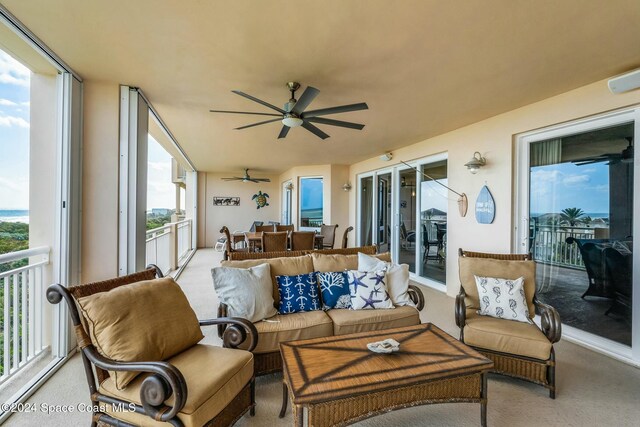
(235, 332)
(416, 296)
(550, 321)
(166, 380)
(461, 309)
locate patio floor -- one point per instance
(592, 389)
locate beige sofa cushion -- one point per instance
(326, 263)
(285, 266)
(290, 327)
(214, 377)
(502, 269)
(144, 321)
(506, 336)
(347, 321)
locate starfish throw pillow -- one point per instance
(368, 290)
(502, 298)
(298, 293)
(334, 288)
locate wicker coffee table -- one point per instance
(336, 381)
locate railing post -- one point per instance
(173, 246)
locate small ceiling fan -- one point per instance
(246, 178)
(625, 156)
(294, 114)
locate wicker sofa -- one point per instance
(314, 324)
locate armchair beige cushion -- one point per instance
(506, 336)
(122, 329)
(209, 388)
(486, 267)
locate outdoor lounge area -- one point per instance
(332, 213)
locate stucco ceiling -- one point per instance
(424, 67)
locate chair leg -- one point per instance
(551, 375)
(252, 411)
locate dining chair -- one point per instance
(329, 235)
(302, 240)
(345, 237)
(254, 225)
(274, 241)
(229, 245)
(263, 228)
(289, 228)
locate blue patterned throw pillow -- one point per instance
(298, 293)
(368, 290)
(334, 287)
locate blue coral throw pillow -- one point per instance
(368, 290)
(298, 293)
(334, 287)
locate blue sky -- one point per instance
(161, 193)
(311, 193)
(565, 185)
(14, 133)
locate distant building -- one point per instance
(161, 211)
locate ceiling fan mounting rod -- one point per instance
(293, 87)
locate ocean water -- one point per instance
(14, 215)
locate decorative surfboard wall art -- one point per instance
(485, 206)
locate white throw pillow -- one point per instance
(368, 290)
(502, 298)
(397, 277)
(247, 292)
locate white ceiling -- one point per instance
(424, 67)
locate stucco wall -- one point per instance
(494, 138)
(234, 217)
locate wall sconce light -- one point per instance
(289, 186)
(386, 157)
(476, 162)
(346, 186)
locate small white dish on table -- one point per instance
(386, 346)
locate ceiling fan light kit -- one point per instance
(294, 113)
(246, 178)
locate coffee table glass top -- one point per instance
(321, 369)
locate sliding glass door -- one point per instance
(577, 210)
(405, 212)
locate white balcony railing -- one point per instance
(22, 310)
(550, 245)
(167, 246)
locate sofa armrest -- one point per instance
(416, 296)
(550, 320)
(166, 380)
(236, 332)
(461, 309)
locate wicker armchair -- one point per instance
(274, 241)
(161, 393)
(520, 350)
(230, 244)
(345, 237)
(302, 240)
(329, 235)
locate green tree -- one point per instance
(572, 215)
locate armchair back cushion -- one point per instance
(286, 266)
(511, 270)
(143, 321)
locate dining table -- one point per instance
(253, 238)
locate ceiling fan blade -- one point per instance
(245, 112)
(314, 130)
(259, 101)
(235, 178)
(333, 122)
(307, 98)
(588, 162)
(252, 180)
(284, 131)
(262, 179)
(335, 110)
(259, 123)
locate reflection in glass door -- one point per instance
(366, 211)
(433, 221)
(384, 213)
(581, 228)
(407, 220)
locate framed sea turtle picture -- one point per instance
(485, 206)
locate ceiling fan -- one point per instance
(294, 114)
(246, 178)
(625, 156)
